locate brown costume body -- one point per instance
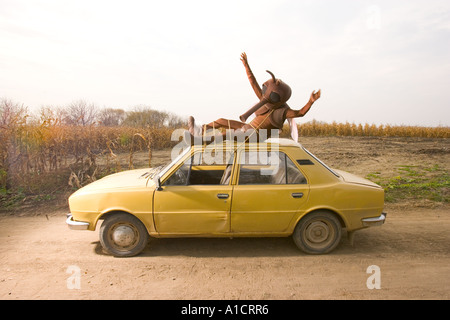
(271, 111)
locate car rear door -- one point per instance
(270, 189)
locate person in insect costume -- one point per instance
(270, 112)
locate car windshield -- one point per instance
(166, 168)
(320, 161)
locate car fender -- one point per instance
(145, 218)
(311, 210)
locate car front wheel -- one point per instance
(318, 233)
(123, 235)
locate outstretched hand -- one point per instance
(314, 96)
(244, 58)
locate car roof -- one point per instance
(283, 142)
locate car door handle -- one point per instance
(297, 194)
(223, 195)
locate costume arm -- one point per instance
(300, 113)
(251, 77)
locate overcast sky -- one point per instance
(382, 62)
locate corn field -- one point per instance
(316, 128)
(29, 152)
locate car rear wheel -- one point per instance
(318, 233)
(123, 235)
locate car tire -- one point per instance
(318, 233)
(123, 235)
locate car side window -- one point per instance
(180, 177)
(203, 168)
(268, 168)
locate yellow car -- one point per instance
(271, 189)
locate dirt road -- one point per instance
(42, 259)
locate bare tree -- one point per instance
(81, 113)
(175, 121)
(110, 117)
(145, 117)
(13, 117)
(11, 113)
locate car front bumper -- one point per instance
(76, 225)
(376, 221)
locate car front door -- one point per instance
(195, 199)
(270, 190)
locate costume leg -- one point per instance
(219, 123)
(240, 129)
(225, 123)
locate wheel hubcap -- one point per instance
(123, 236)
(319, 234)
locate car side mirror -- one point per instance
(158, 184)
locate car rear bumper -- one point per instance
(376, 221)
(76, 225)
